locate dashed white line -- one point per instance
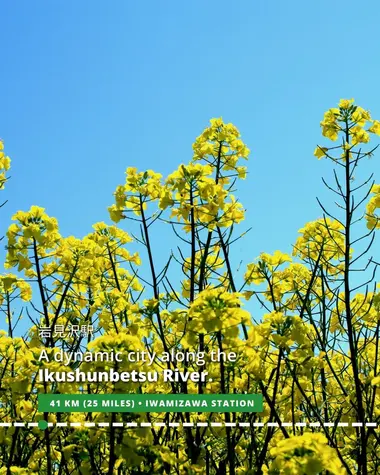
(191, 424)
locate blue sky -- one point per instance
(90, 88)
